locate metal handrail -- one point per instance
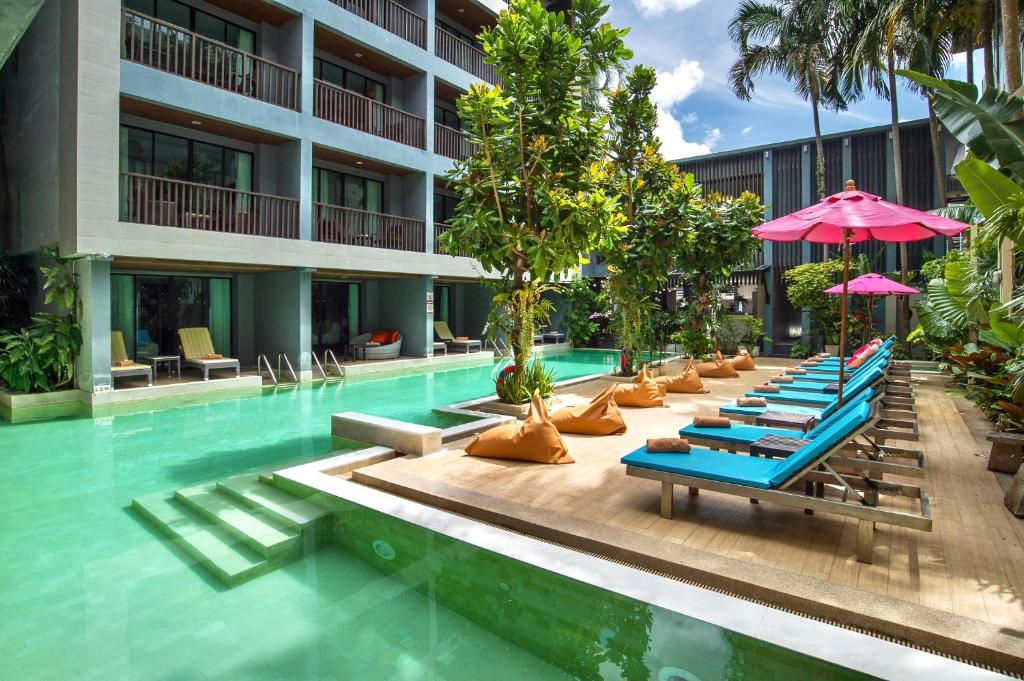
(288, 364)
(329, 355)
(260, 362)
(319, 366)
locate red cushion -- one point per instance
(379, 337)
(392, 336)
(861, 349)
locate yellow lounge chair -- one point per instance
(118, 353)
(446, 335)
(196, 344)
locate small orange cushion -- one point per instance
(379, 337)
(392, 336)
(717, 369)
(686, 382)
(743, 362)
(600, 416)
(646, 393)
(536, 440)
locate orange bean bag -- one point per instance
(743, 362)
(536, 439)
(644, 393)
(645, 373)
(600, 416)
(686, 382)
(717, 369)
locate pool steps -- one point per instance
(238, 528)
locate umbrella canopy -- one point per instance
(865, 216)
(849, 217)
(873, 285)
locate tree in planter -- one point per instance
(720, 238)
(532, 196)
(654, 198)
(805, 286)
(41, 357)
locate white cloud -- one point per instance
(690, 118)
(674, 144)
(655, 7)
(676, 85)
(746, 130)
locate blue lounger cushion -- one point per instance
(733, 408)
(821, 400)
(750, 471)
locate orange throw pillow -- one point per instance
(686, 382)
(646, 393)
(600, 416)
(535, 440)
(717, 370)
(743, 362)
(379, 337)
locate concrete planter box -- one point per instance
(518, 411)
(1007, 452)
(403, 437)
(20, 407)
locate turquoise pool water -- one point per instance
(88, 590)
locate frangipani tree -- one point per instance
(533, 196)
(654, 197)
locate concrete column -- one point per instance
(847, 159)
(282, 317)
(769, 253)
(403, 306)
(295, 50)
(93, 369)
(429, 208)
(892, 251)
(244, 319)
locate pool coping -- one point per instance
(845, 647)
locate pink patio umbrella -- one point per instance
(853, 216)
(873, 285)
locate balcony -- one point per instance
(169, 48)
(439, 229)
(391, 16)
(353, 227)
(451, 143)
(466, 56)
(353, 110)
(165, 202)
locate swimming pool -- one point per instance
(88, 590)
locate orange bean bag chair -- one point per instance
(600, 416)
(536, 439)
(644, 393)
(645, 373)
(686, 382)
(743, 362)
(717, 369)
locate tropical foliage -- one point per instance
(518, 387)
(979, 340)
(583, 304)
(17, 286)
(41, 356)
(533, 196)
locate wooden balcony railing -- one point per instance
(390, 16)
(170, 48)
(451, 143)
(353, 110)
(458, 51)
(439, 229)
(165, 202)
(353, 227)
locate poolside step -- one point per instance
(216, 549)
(256, 492)
(265, 535)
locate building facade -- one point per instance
(782, 174)
(272, 170)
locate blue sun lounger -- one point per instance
(778, 480)
(741, 437)
(822, 401)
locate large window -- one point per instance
(148, 310)
(443, 304)
(350, 80)
(335, 315)
(447, 117)
(444, 208)
(350, 191)
(156, 153)
(197, 21)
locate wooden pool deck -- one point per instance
(957, 590)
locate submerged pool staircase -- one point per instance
(240, 528)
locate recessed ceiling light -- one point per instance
(359, 163)
(197, 122)
(359, 54)
(461, 11)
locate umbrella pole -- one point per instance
(842, 323)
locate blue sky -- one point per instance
(687, 42)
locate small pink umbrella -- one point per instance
(873, 285)
(853, 216)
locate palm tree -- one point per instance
(1011, 59)
(798, 39)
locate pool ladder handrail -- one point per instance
(329, 359)
(262, 361)
(288, 364)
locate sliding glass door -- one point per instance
(335, 315)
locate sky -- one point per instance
(687, 42)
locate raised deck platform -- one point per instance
(957, 590)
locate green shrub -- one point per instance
(800, 350)
(515, 386)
